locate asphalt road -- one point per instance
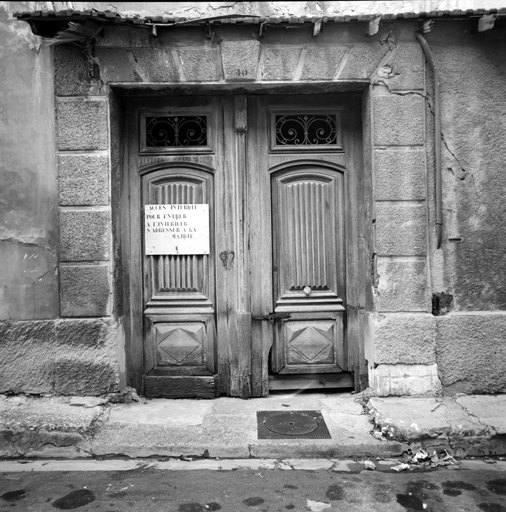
(437, 490)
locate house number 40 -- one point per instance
(242, 72)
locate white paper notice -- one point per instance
(176, 228)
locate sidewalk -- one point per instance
(86, 427)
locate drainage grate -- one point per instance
(291, 425)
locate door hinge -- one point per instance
(270, 317)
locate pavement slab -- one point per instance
(226, 428)
(170, 413)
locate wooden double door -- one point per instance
(242, 233)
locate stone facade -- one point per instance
(60, 330)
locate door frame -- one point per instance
(358, 254)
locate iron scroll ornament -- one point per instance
(306, 130)
(176, 131)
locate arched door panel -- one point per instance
(308, 269)
(178, 288)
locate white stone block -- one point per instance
(405, 379)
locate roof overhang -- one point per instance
(49, 23)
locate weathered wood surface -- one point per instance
(303, 216)
(358, 276)
(131, 252)
(306, 253)
(234, 362)
(168, 299)
(259, 243)
(180, 387)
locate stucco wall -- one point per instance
(473, 75)
(471, 341)
(28, 191)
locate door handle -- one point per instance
(270, 317)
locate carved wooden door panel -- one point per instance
(178, 311)
(308, 268)
(303, 241)
(278, 290)
(174, 154)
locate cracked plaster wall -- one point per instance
(28, 194)
(471, 341)
(472, 76)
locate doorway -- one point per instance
(243, 227)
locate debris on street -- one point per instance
(401, 467)
(369, 465)
(317, 506)
(423, 459)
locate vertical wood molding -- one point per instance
(241, 200)
(131, 257)
(233, 318)
(259, 243)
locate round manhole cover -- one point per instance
(290, 423)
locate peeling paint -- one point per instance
(37, 242)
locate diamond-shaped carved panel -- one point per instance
(309, 343)
(180, 344)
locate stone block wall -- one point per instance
(404, 355)
(83, 165)
(82, 131)
(67, 357)
(393, 62)
(464, 344)
(54, 227)
(74, 348)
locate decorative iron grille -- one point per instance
(306, 130)
(176, 131)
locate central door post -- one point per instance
(233, 318)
